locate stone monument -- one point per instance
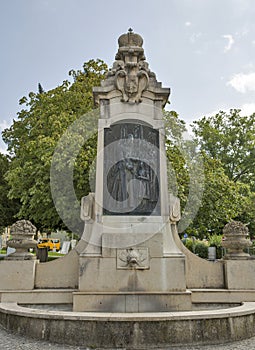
(130, 272)
(131, 262)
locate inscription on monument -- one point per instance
(131, 170)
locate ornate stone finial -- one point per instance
(130, 78)
(235, 234)
(130, 71)
(130, 39)
(22, 233)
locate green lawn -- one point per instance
(51, 255)
(55, 254)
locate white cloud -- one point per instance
(247, 109)
(249, 66)
(194, 37)
(230, 42)
(243, 32)
(187, 24)
(243, 82)
(3, 150)
(4, 124)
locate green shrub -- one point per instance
(197, 247)
(201, 249)
(215, 241)
(188, 242)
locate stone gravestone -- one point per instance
(10, 250)
(131, 262)
(65, 247)
(73, 243)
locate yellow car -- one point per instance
(49, 243)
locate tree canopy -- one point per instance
(228, 189)
(228, 141)
(33, 137)
(8, 207)
(230, 138)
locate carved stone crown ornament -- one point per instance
(130, 73)
(130, 69)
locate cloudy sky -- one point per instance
(203, 49)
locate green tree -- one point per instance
(190, 167)
(223, 200)
(33, 137)
(8, 208)
(230, 138)
(40, 89)
(178, 174)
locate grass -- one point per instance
(55, 254)
(51, 255)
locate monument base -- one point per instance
(136, 267)
(132, 302)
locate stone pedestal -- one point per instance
(239, 274)
(17, 275)
(112, 275)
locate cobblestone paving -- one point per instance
(9, 341)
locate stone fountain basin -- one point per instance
(131, 330)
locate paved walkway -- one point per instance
(9, 341)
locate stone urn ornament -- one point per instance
(22, 233)
(236, 239)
